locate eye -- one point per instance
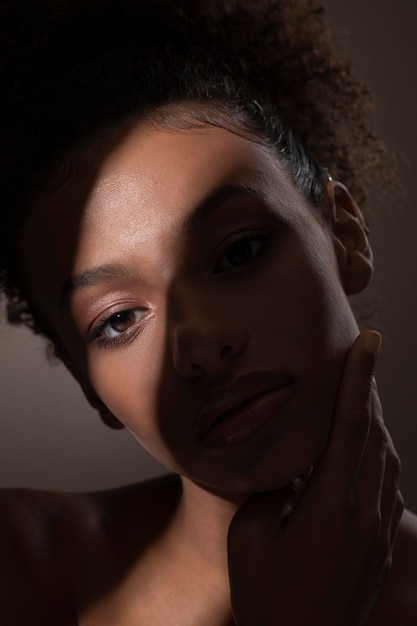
(115, 329)
(242, 250)
(120, 323)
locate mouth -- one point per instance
(235, 414)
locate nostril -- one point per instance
(202, 344)
(226, 351)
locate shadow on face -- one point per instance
(200, 299)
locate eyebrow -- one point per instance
(93, 277)
(205, 209)
(195, 221)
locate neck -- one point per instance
(202, 522)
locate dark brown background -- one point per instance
(49, 436)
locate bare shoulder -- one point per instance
(59, 549)
(398, 599)
(29, 594)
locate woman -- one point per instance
(190, 260)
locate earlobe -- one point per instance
(350, 236)
(106, 415)
(108, 418)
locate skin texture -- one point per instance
(199, 310)
(198, 327)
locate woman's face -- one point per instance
(199, 296)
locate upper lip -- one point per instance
(220, 402)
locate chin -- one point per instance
(272, 467)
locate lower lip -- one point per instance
(238, 426)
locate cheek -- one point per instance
(132, 399)
(300, 295)
(123, 379)
(128, 381)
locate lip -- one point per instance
(231, 415)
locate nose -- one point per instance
(206, 339)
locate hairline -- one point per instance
(181, 115)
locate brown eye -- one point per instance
(240, 252)
(120, 323)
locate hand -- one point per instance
(325, 563)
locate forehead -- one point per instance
(144, 187)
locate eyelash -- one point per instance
(97, 333)
(239, 239)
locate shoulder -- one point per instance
(397, 603)
(29, 593)
(57, 549)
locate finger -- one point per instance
(392, 504)
(351, 422)
(396, 518)
(372, 473)
(391, 501)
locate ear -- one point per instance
(107, 416)
(350, 238)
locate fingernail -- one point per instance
(372, 342)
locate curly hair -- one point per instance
(70, 69)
